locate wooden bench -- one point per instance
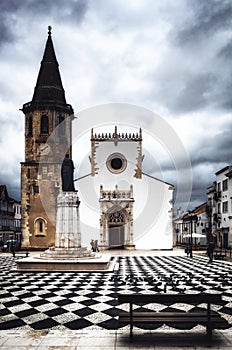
(207, 317)
(20, 253)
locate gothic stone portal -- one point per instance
(116, 218)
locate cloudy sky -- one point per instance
(170, 57)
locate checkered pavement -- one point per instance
(75, 300)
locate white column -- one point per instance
(67, 221)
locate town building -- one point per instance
(213, 218)
(202, 223)
(10, 217)
(17, 221)
(219, 199)
(192, 226)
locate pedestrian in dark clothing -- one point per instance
(210, 251)
(92, 245)
(96, 249)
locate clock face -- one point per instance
(44, 149)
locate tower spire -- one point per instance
(49, 91)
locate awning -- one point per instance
(194, 235)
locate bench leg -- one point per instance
(209, 330)
(131, 322)
(209, 326)
(131, 332)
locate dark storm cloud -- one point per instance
(191, 90)
(208, 17)
(7, 20)
(210, 154)
(73, 10)
(226, 51)
(195, 92)
(199, 193)
(214, 149)
(224, 96)
(200, 75)
(12, 10)
(225, 141)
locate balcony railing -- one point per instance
(7, 228)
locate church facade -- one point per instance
(114, 155)
(127, 207)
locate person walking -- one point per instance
(210, 251)
(92, 245)
(96, 249)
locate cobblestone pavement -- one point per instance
(113, 340)
(79, 310)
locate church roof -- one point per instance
(3, 191)
(4, 194)
(49, 91)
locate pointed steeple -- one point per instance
(49, 91)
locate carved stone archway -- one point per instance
(116, 221)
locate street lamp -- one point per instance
(189, 219)
(193, 218)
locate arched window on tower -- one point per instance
(40, 227)
(44, 128)
(30, 126)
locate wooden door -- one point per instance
(116, 236)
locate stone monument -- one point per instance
(68, 235)
(67, 254)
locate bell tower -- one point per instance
(48, 137)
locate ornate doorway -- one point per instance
(116, 230)
(116, 220)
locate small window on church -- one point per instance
(30, 126)
(40, 227)
(28, 173)
(44, 128)
(116, 163)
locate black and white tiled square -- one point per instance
(77, 300)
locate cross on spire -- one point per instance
(49, 30)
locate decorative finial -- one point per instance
(49, 30)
